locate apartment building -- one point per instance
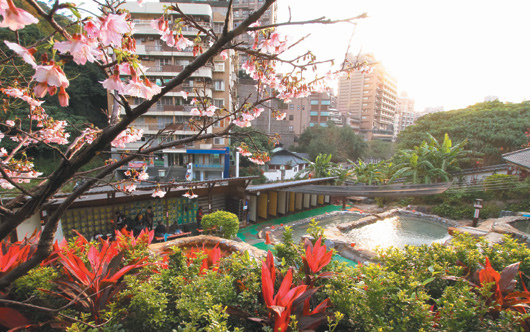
(405, 115)
(241, 9)
(208, 159)
(370, 98)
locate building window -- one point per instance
(291, 106)
(291, 128)
(291, 117)
(219, 66)
(218, 27)
(218, 141)
(163, 122)
(325, 102)
(219, 85)
(236, 13)
(219, 103)
(314, 102)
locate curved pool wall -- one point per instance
(517, 226)
(338, 233)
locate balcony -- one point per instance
(145, 28)
(163, 50)
(166, 68)
(207, 166)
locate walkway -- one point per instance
(249, 234)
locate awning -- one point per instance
(392, 190)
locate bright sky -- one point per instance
(443, 53)
(449, 53)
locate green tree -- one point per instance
(371, 174)
(490, 128)
(342, 143)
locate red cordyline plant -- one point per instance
(13, 254)
(293, 300)
(93, 284)
(213, 256)
(502, 287)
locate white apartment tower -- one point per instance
(370, 98)
(208, 159)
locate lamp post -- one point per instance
(477, 206)
(282, 170)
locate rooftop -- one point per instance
(520, 158)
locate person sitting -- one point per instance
(149, 218)
(139, 224)
(160, 230)
(120, 221)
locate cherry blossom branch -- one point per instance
(29, 135)
(6, 177)
(227, 18)
(49, 16)
(320, 20)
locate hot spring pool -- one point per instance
(522, 226)
(398, 231)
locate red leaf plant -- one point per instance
(316, 257)
(92, 285)
(127, 241)
(502, 286)
(12, 254)
(213, 256)
(290, 300)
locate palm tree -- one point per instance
(321, 168)
(370, 173)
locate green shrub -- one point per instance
(226, 223)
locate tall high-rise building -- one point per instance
(208, 159)
(405, 115)
(369, 98)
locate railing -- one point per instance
(208, 166)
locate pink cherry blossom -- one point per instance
(129, 135)
(160, 25)
(130, 188)
(244, 151)
(190, 195)
(15, 18)
(182, 43)
(184, 95)
(24, 53)
(114, 83)
(241, 123)
(143, 176)
(52, 75)
(159, 193)
(224, 54)
(168, 37)
(3, 152)
(10, 123)
(253, 25)
(13, 92)
(82, 49)
(112, 29)
(63, 97)
(91, 29)
(195, 112)
(210, 111)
